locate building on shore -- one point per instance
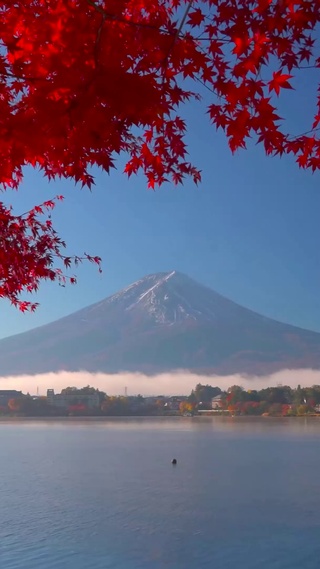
(217, 403)
(7, 394)
(65, 400)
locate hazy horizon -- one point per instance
(175, 383)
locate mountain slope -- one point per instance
(162, 322)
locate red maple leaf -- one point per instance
(279, 81)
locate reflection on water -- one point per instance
(103, 494)
(235, 425)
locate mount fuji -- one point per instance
(163, 322)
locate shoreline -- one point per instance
(101, 419)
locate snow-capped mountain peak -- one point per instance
(165, 298)
(165, 321)
(160, 297)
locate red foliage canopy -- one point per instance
(82, 81)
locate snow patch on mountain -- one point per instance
(159, 283)
(163, 300)
(166, 299)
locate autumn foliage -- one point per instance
(15, 405)
(186, 407)
(82, 81)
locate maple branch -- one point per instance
(176, 35)
(96, 6)
(220, 40)
(185, 15)
(96, 45)
(307, 67)
(20, 77)
(46, 205)
(210, 89)
(296, 136)
(124, 20)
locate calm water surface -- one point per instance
(103, 495)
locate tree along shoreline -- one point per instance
(280, 401)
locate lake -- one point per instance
(104, 494)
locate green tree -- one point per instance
(280, 394)
(204, 393)
(87, 390)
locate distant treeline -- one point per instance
(88, 401)
(281, 400)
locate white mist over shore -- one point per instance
(175, 383)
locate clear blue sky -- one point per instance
(250, 230)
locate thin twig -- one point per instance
(117, 18)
